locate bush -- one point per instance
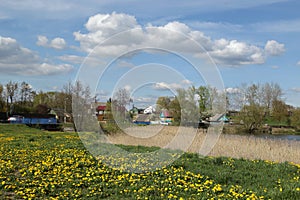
(109, 127)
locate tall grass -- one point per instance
(236, 146)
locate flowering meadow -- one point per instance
(37, 164)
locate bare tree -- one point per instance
(2, 101)
(119, 102)
(271, 93)
(25, 92)
(11, 91)
(82, 108)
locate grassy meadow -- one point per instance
(37, 164)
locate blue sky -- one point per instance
(46, 42)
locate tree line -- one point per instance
(18, 97)
(256, 104)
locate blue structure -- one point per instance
(142, 123)
(44, 121)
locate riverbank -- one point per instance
(228, 145)
(238, 129)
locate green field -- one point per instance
(37, 164)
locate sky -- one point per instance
(151, 47)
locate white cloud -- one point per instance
(144, 100)
(11, 51)
(109, 23)
(49, 69)
(42, 41)
(127, 87)
(56, 43)
(186, 82)
(72, 59)
(124, 63)
(171, 86)
(298, 63)
(274, 48)
(232, 90)
(226, 52)
(15, 59)
(237, 53)
(34, 69)
(215, 26)
(166, 86)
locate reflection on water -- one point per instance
(281, 137)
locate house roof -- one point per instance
(165, 113)
(218, 118)
(100, 108)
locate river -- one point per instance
(281, 137)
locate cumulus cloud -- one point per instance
(15, 59)
(72, 59)
(232, 90)
(171, 86)
(124, 63)
(56, 43)
(127, 87)
(42, 41)
(226, 52)
(274, 48)
(145, 100)
(12, 52)
(186, 82)
(236, 53)
(166, 86)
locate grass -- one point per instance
(228, 145)
(55, 165)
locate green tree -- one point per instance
(162, 103)
(50, 99)
(175, 110)
(108, 113)
(252, 117)
(295, 118)
(204, 99)
(280, 111)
